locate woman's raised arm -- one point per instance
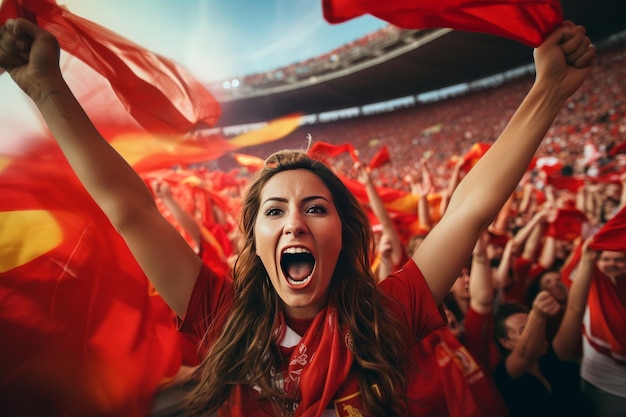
(31, 56)
(563, 62)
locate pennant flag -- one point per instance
(525, 21)
(380, 158)
(157, 92)
(612, 236)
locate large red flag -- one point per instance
(84, 332)
(526, 21)
(157, 92)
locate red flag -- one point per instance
(550, 165)
(472, 156)
(87, 335)
(274, 130)
(619, 148)
(567, 225)
(323, 150)
(562, 182)
(380, 158)
(157, 92)
(612, 236)
(607, 318)
(148, 152)
(526, 21)
(251, 162)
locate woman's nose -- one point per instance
(295, 224)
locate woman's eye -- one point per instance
(316, 210)
(273, 212)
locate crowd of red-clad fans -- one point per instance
(537, 319)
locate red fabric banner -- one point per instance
(612, 236)
(567, 225)
(562, 182)
(157, 92)
(525, 21)
(85, 333)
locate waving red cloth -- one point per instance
(157, 92)
(471, 157)
(607, 318)
(607, 311)
(84, 333)
(322, 151)
(567, 225)
(380, 158)
(526, 21)
(612, 236)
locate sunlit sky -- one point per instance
(216, 39)
(212, 39)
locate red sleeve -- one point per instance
(479, 338)
(412, 300)
(210, 300)
(516, 292)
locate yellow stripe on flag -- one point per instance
(25, 235)
(274, 130)
(5, 161)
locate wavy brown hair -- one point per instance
(245, 352)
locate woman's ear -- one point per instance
(506, 343)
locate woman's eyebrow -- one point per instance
(284, 200)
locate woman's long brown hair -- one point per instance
(245, 352)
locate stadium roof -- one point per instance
(443, 58)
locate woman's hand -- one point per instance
(29, 54)
(564, 59)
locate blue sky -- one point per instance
(216, 39)
(213, 39)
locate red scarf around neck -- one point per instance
(318, 369)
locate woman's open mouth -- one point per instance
(297, 264)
